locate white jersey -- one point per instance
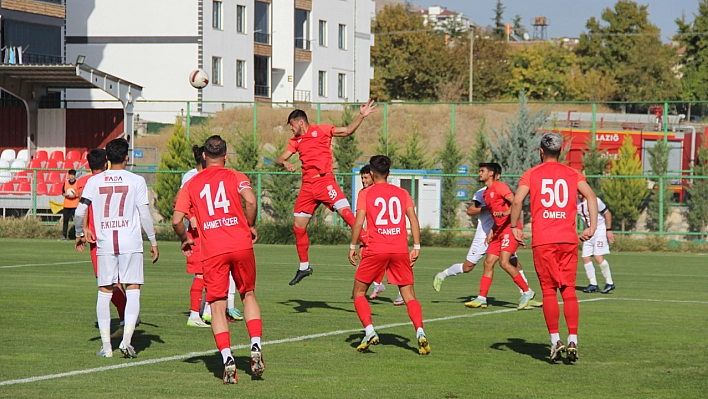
(584, 214)
(115, 196)
(190, 174)
(485, 221)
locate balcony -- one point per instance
(58, 2)
(301, 96)
(41, 59)
(302, 44)
(260, 37)
(262, 91)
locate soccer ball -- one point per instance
(198, 79)
(71, 193)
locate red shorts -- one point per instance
(316, 191)
(241, 264)
(503, 241)
(94, 258)
(194, 262)
(397, 267)
(556, 264)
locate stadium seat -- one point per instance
(57, 155)
(23, 155)
(41, 155)
(42, 189)
(18, 164)
(35, 164)
(23, 189)
(4, 163)
(55, 189)
(5, 176)
(41, 177)
(84, 155)
(52, 165)
(73, 155)
(7, 188)
(8, 155)
(54, 177)
(22, 176)
(83, 164)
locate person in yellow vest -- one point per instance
(70, 192)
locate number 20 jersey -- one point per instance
(115, 196)
(553, 188)
(385, 206)
(213, 196)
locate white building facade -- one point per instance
(280, 51)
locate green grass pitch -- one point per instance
(647, 339)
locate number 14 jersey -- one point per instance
(385, 206)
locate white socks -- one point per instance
(605, 268)
(369, 329)
(225, 353)
(304, 265)
(453, 270)
(194, 315)
(207, 309)
(103, 314)
(555, 337)
(573, 338)
(132, 310)
(590, 272)
(232, 292)
(257, 341)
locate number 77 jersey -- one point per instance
(553, 188)
(385, 206)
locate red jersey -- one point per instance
(494, 198)
(213, 197)
(385, 206)
(80, 184)
(553, 188)
(315, 150)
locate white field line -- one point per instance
(660, 300)
(238, 347)
(45, 264)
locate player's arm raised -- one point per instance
(587, 192)
(356, 230)
(251, 211)
(282, 160)
(516, 204)
(415, 232)
(365, 110)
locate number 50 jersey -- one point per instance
(213, 196)
(385, 206)
(115, 196)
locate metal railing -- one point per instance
(260, 37)
(302, 44)
(262, 91)
(301, 95)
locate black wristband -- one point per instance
(608, 229)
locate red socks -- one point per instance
(519, 280)
(195, 294)
(551, 310)
(302, 243)
(484, 284)
(255, 328)
(415, 312)
(571, 310)
(118, 300)
(363, 310)
(223, 340)
(349, 219)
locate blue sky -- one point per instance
(567, 17)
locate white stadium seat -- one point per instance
(23, 155)
(8, 155)
(18, 163)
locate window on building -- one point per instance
(216, 77)
(240, 73)
(342, 85)
(261, 26)
(343, 37)
(322, 83)
(216, 15)
(261, 75)
(323, 33)
(241, 19)
(302, 29)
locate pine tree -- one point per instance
(659, 161)
(625, 196)
(414, 154)
(385, 145)
(515, 146)
(247, 152)
(480, 153)
(281, 189)
(698, 195)
(346, 150)
(519, 28)
(595, 162)
(450, 157)
(499, 31)
(179, 157)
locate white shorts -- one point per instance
(478, 249)
(128, 268)
(597, 245)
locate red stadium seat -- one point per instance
(57, 155)
(23, 189)
(54, 177)
(40, 155)
(51, 165)
(84, 155)
(22, 176)
(83, 164)
(55, 190)
(41, 178)
(42, 189)
(73, 155)
(35, 164)
(7, 188)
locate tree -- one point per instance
(519, 28)
(346, 150)
(625, 196)
(480, 152)
(694, 62)
(385, 145)
(491, 71)
(499, 31)
(450, 157)
(414, 154)
(544, 72)
(282, 188)
(630, 48)
(697, 202)
(247, 152)
(515, 146)
(595, 162)
(179, 157)
(659, 162)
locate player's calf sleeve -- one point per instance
(118, 300)
(453, 270)
(605, 268)
(195, 294)
(571, 310)
(103, 315)
(521, 283)
(363, 310)
(484, 284)
(415, 312)
(590, 272)
(255, 328)
(302, 243)
(551, 310)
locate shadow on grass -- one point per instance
(215, 365)
(140, 340)
(491, 301)
(303, 306)
(518, 345)
(384, 339)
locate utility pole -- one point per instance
(472, 36)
